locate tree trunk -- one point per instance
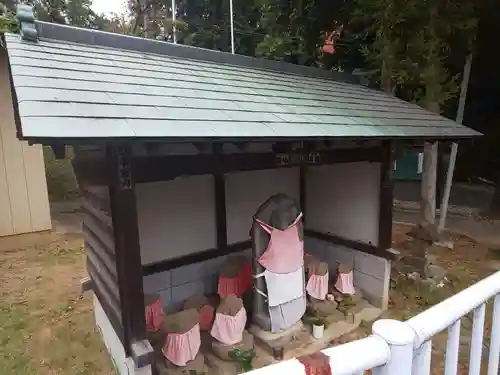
(386, 79)
(442, 167)
(428, 187)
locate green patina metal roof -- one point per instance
(73, 83)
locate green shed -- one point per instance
(408, 166)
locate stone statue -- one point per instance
(228, 331)
(155, 319)
(278, 264)
(182, 345)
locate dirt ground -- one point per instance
(47, 327)
(467, 263)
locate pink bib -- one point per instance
(317, 286)
(236, 285)
(229, 329)
(345, 283)
(206, 317)
(180, 348)
(285, 252)
(154, 316)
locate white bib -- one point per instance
(283, 287)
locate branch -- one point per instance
(140, 13)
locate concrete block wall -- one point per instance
(123, 365)
(371, 273)
(177, 285)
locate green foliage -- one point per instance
(74, 12)
(318, 322)
(61, 180)
(243, 357)
(405, 45)
(408, 44)
(8, 22)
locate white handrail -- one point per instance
(347, 359)
(405, 348)
(444, 314)
(357, 356)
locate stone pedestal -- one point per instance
(418, 260)
(321, 309)
(283, 339)
(157, 339)
(223, 351)
(165, 367)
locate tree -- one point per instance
(73, 12)
(410, 43)
(8, 22)
(80, 13)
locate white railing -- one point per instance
(405, 348)
(448, 315)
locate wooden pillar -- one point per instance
(302, 191)
(220, 199)
(127, 248)
(386, 198)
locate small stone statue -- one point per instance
(317, 290)
(183, 340)
(235, 277)
(205, 308)
(228, 330)
(317, 283)
(155, 319)
(345, 282)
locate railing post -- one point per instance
(400, 338)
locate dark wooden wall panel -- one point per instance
(100, 250)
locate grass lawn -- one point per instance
(47, 328)
(466, 264)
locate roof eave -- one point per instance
(103, 140)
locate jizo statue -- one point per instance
(278, 263)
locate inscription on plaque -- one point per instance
(284, 160)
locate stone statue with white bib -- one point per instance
(279, 298)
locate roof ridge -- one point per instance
(91, 37)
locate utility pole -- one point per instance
(454, 147)
(232, 24)
(146, 19)
(174, 31)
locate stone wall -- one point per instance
(371, 273)
(177, 285)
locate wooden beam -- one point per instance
(127, 248)
(95, 200)
(386, 199)
(331, 238)
(110, 303)
(164, 168)
(59, 150)
(302, 191)
(114, 319)
(197, 257)
(200, 146)
(242, 146)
